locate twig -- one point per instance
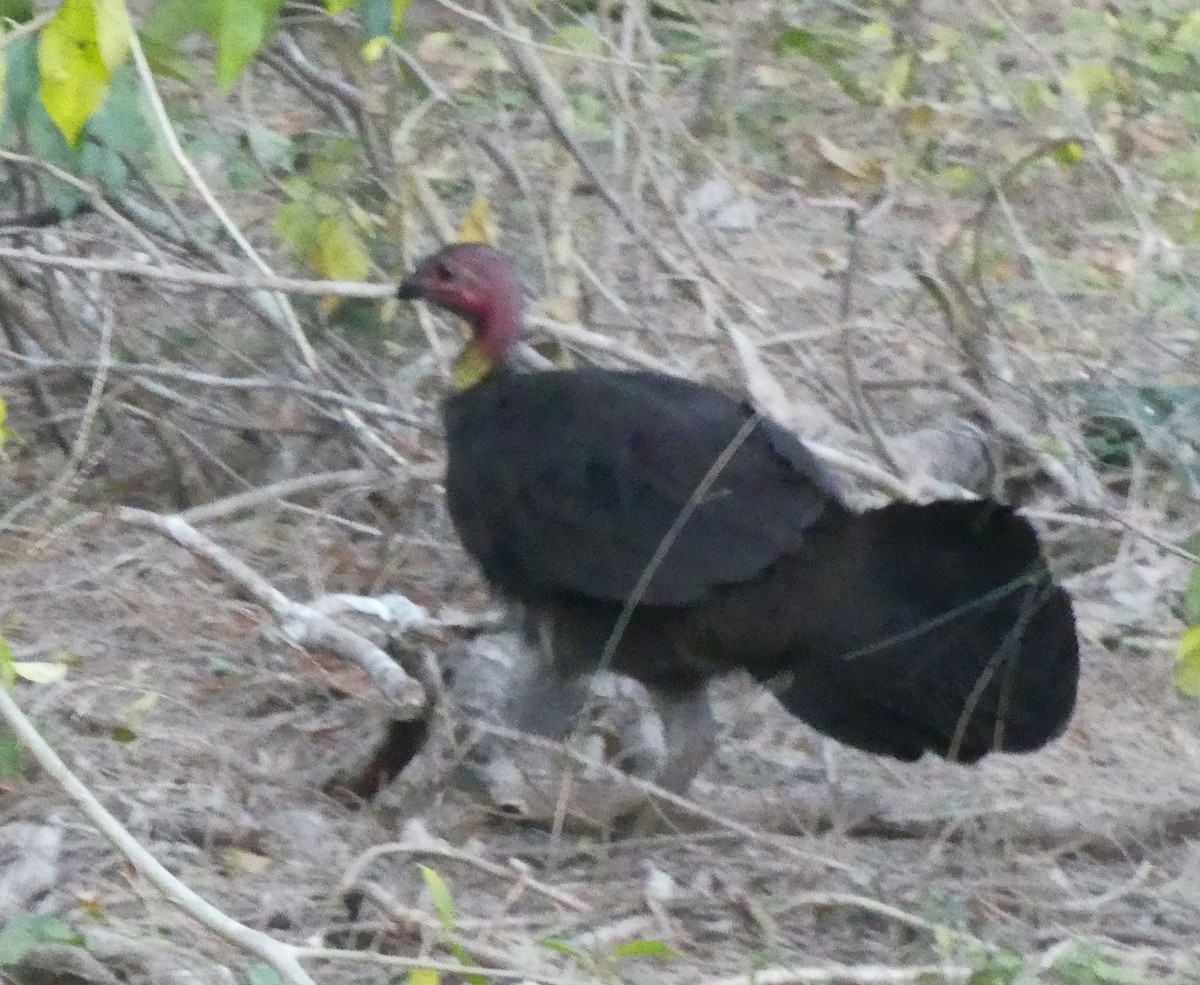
(277, 492)
(842, 974)
(282, 957)
(213, 381)
(99, 202)
(655, 792)
(509, 32)
(303, 625)
(204, 278)
(577, 335)
(168, 132)
(864, 413)
(449, 967)
(1011, 429)
(425, 844)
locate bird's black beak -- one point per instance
(409, 289)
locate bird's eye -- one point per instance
(443, 273)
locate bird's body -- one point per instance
(709, 539)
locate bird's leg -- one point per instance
(691, 736)
(541, 698)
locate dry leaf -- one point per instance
(857, 165)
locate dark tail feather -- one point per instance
(936, 628)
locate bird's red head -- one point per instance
(476, 282)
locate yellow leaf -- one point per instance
(895, 81)
(1088, 81)
(857, 165)
(5, 433)
(477, 225)
(1069, 153)
(374, 48)
(140, 705)
(112, 32)
(74, 74)
(472, 366)
(877, 32)
(1187, 36)
(90, 905)
(1187, 667)
(956, 178)
(424, 976)
(940, 44)
(40, 671)
(399, 9)
(240, 862)
(339, 254)
(919, 120)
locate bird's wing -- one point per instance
(567, 483)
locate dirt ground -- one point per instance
(224, 748)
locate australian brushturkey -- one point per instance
(582, 493)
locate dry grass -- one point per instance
(938, 340)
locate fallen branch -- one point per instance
(282, 957)
(301, 624)
(842, 974)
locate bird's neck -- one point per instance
(496, 331)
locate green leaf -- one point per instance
(565, 948)
(377, 18)
(172, 20)
(645, 949)
(238, 27)
(577, 37)
(443, 902)
(11, 762)
(74, 70)
(1191, 598)
(25, 932)
(46, 141)
(8, 666)
(825, 51)
(242, 28)
(18, 11)
(166, 62)
(22, 80)
(263, 974)
(1187, 666)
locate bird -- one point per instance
(659, 528)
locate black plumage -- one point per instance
(899, 630)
